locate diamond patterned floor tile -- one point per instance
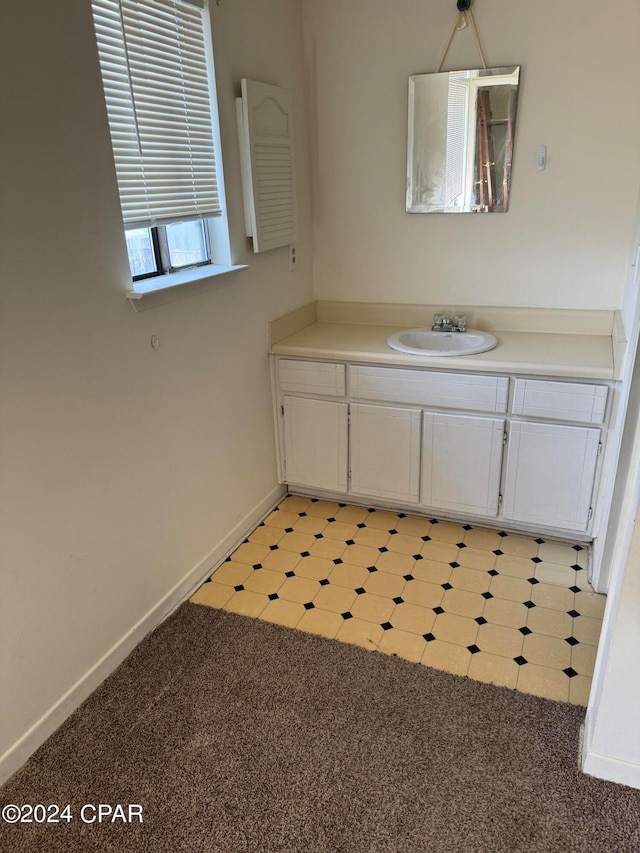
(499, 607)
(500, 640)
(482, 539)
(360, 632)
(470, 580)
(412, 618)
(336, 599)
(579, 688)
(447, 656)
(321, 622)
(555, 623)
(213, 595)
(247, 603)
(494, 669)
(463, 603)
(282, 612)
(475, 558)
(546, 651)
(543, 681)
(556, 574)
(404, 644)
(372, 608)
(511, 589)
(445, 531)
(555, 552)
(586, 629)
(281, 519)
(519, 546)
(442, 552)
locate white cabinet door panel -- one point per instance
(462, 462)
(385, 452)
(315, 443)
(550, 474)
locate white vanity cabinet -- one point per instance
(314, 431)
(521, 452)
(551, 467)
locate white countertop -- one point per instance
(534, 353)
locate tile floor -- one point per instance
(495, 606)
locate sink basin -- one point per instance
(426, 342)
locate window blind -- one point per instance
(456, 146)
(153, 58)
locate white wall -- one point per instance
(565, 240)
(121, 468)
(612, 732)
(611, 748)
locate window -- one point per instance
(156, 64)
(167, 248)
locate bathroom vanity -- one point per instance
(515, 438)
(467, 445)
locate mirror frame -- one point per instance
(480, 189)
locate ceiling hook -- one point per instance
(464, 6)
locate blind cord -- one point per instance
(125, 47)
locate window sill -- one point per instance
(167, 288)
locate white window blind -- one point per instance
(153, 58)
(457, 109)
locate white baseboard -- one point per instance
(26, 745)
(605, 766)
(611, 768)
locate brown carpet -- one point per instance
(238, 735)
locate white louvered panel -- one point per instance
(275, 193)
(560, 401)
(426, 388)
(312, 377)
(265, 123)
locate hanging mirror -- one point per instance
(460, 140)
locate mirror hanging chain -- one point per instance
(462, 20)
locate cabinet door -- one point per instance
(462, 462)
(315, 443)
(385, 452)
(550, 474)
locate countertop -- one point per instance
(585, 356)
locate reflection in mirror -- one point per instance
(460, 145)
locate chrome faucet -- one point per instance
(444, 324)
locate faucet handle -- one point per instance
(460, 321)
(438, 320)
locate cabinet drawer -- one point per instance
(312, 377)
(427, 388)
(560, 401)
